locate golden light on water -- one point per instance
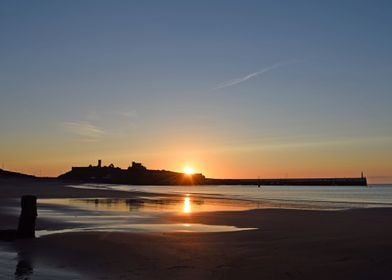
(187, 205)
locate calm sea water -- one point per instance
(346, 196)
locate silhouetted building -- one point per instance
(137, 166)
(136, 174)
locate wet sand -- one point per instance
(289, 244)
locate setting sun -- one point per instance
(188, 170)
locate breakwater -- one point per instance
(360, 181)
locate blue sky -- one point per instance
(137, 80)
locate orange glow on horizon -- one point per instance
(285, 163)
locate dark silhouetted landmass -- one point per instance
(137, 174)
(10, 174)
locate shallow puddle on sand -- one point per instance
(142, 214)
(147, 228)
(186, 204)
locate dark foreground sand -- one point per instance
(289, 244)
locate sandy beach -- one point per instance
(288, 244)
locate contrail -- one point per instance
(252, 75)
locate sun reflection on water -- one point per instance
(187, 205)
(110, 214)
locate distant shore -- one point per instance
(289, 244)
(137, 174)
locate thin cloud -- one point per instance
(128, 114)
(86, 130)
(253, 75)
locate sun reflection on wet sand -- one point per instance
(186, 204)
(141, 214)
(187, 208)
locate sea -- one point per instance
(377, 195)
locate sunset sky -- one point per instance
(231, 88)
